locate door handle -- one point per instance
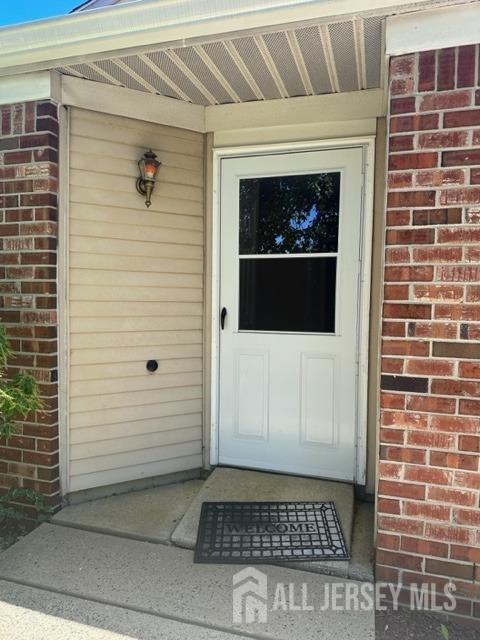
(223, 315)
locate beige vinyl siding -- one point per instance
(135, 293)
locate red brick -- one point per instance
(469, 407)
(427, 475)
(452, 496)
(438, 178)
(424, 547)
(456, 387)
(473, 293)
(466, 66)
(467, 195)
(396, 436)
(390, 470)
(453, 460)
(442, 139)
(394, 329)
(403, 124)
(447, 100)
(467, 480)
(404, 419)
(455, 424)
(403, 454)
(398, 217)
(401, 560)
(392, 401)
(450, 569)
(403, 161)
(469, 370)
(402, 105)
(430, 367)
(464, 118)
(469, 443)
(409, 274)
(402, 65)
(387, 541)
(395, 255)
(401, 489)
(446, 69)
(37, 185)
(458, 552)
(401, 143)
(405, 347)
(386, 505)
(469, 273)
(464, 157)
(437, 254)
(458, 312)
(459, 234)
(400, 525)
(396, 292)
(399, 181)
(392, 365)
(426, 71)
(438, 292)
(431, 439)
(427, 511)
(449, 533)
(410, 236)
(469, 517)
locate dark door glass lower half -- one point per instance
(288, 294)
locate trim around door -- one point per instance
(368, 146)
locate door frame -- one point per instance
(367, 143)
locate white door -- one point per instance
(289, 274)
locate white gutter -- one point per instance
(130, 27)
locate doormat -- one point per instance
(249, 532)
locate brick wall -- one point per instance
(429, 481)
(28, 303)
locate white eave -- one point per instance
(122, 29)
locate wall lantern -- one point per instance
(149, 166)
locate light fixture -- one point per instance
(149, 166)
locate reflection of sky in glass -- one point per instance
(300, 225)
(289, 214)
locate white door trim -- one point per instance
(368, 145)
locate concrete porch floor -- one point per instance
(109, 570)
(170, 514)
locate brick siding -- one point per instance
(429, 480)
(28, 289)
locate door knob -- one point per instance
(223, 315)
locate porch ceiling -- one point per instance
(316, 59)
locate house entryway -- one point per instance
(289, 270)
(170, 514)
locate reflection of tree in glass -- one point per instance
(289, 214)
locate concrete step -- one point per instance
(226, 484)
(27, 613)
(163, 581)
(150, 514)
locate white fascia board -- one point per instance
(433, 29)
(40, 85)
(310, 109)
(155, 24)
(120, 101)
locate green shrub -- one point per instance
(18, 398)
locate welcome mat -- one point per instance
(249, 532)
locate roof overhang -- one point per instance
(123, 29)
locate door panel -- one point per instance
(290, 240)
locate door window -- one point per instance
(288, 244)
